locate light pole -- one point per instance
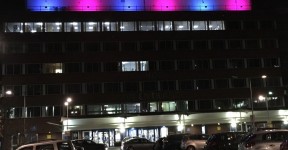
(252, 106)
(68, 100)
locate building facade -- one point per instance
(140, 68)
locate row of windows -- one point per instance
(148, 107)
(133, 46)
(137, 26)
(128, 66)
(146, 86)
(113, 26)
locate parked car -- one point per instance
(51, 145)
(173, 142)
(137, 144)
(224, 141)
(88, 145)
(266, 139)
(159, 144)
(284, 145)
(194, 141)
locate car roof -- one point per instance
(270, 131)
(41, 143)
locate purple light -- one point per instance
(139, 5)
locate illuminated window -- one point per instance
(14, 27)
(168, 106)
(33, 27)
(128, 26)
(181, 25)
(91, 26)
(110, 26)
(53, 27)
(134, 66)
(216, 25)
(72, 26)
(52, 68)
(164, 26)
(199, 25)
(146, 26)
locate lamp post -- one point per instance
(68, 100)
(252, 106)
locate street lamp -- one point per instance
(68, 100)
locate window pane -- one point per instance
(14, 27)
(199, 25)
(168, 106)
(53, 89)
(128, 26)
(235, 44)
(91, 26)
(72, 27)
(164, 25)
(33, 27)
(236, 63)
(146, 26)
(205, 104)
(110, 26)
(112, 87)
(53, 27)
(221, 83)
(222, 104)
(216, 25)
(181, 25)
(52, 68)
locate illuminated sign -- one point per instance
(139, 5)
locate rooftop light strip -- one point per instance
(139, 5)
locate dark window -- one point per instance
(222, 104)
(147, 46)
(184, 65)
(34, 90)
(233, 25)
(267, 25)
(92, 67)
(186, 84)
(253, 63)
(92, 47)
(273, 82)
(33, 68)
(128, 46)
(200, 45)
(112, 87)
(54, 89)
(167, 85)
(165, 46)
(238, 83)
(53, 48)
(235, 44)
(183, 45)
(166, 65)
(152, 66)
(34, 112)
(236, 63)
(256, 82)
(202, 64)
(72, 67)
(252, 44)
(150, 86)
(17, 89)
(221, 83)
(73, 88)
(131, 86)
(73, 47)
(111, 46)
(271, 62)
(218, 44)
(191, 105)
(220, 64)
(13, 69)
(93, 88)
(269, 43)
(34, 48)
(250, 25)
(203, 84)
(14, 47)
(111, 67)
(205, 104)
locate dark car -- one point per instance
(284, 145)
(159, 144)
(173, 142)
(88, 145)
(224, 141)
(137, 144)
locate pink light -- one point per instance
(238, 5)
(164, 5)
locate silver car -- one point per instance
(137, 144)
(263, 140)
(194, 141)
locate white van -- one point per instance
(49, 145)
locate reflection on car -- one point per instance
(284, 145)
(137, 144)
(88, 145)
(49, 145)
(266, 139)
(224, 141)
(194, 141)
(159, 144)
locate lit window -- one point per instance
(216, 25)
(134, 66)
